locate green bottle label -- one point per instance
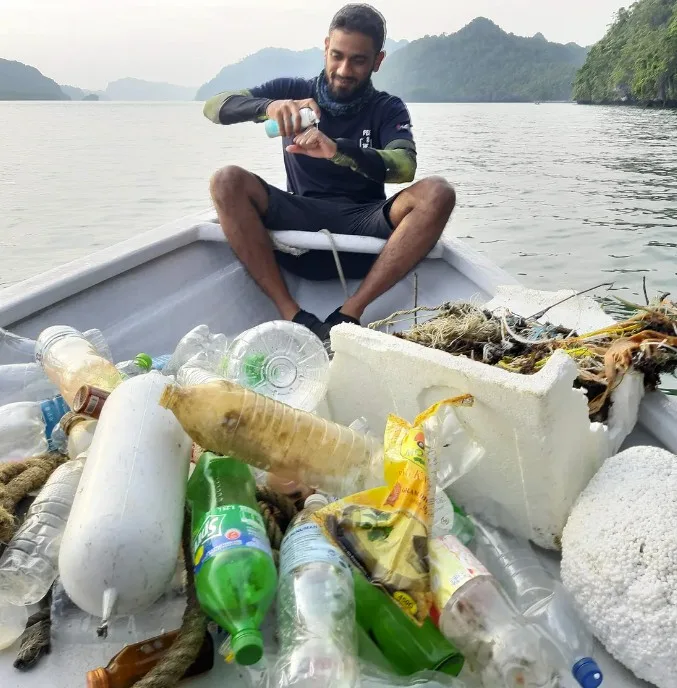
(229, 526)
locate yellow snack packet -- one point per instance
(384, 531)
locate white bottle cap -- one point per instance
(315, 501)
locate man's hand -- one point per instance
(313, 143)
(288, 115)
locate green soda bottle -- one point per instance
(235, 576)
(407, 647)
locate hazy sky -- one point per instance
(88, 43)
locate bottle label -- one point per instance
(443, 522)
(452, 565)
(305, 544)
(229, 526)
(53, 411)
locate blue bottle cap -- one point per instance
(587, 672)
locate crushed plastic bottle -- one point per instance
(315, 609)
(235, 576)
(28, 567)
(539, 597)
(198, 340)
(480, 620)
(26, 427)
(70, 361)
(281, 360)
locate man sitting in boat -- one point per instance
(335, 175)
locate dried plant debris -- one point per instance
(645, 342)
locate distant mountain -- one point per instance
(76, 93)
(271, 63)
(137, 89)
(636, 62)
(482, 63)
(23, 82)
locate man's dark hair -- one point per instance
(363, 19)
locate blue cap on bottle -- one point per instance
(587, 672)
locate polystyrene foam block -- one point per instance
(541, 448)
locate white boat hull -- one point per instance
(145, 293)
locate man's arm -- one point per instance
(395, 164)
(233, 107)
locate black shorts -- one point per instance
(289, 212)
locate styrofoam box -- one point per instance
(541, 448)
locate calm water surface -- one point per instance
(558, 195)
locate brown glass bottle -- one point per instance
(133, 662)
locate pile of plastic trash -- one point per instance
(315, 554)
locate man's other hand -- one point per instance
(313, 143)
(288, 114)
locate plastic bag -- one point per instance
(24, 382)
(384, 531)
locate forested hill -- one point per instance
(481, 63)
(636, 62)
(19, 81)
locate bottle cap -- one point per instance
(247, 646)
(89, 401)
(98, 678)
(316, 501)
(70, 420)
(587, 672)
(144, 361)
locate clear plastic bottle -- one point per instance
(480, 620)
(198, 340)
(27, 426)
(539, 597)
(71, 361)
(271, 436)
(315, 609)
(29, 565)
(281, 360)
(139, 365)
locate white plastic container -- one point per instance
(122, 541)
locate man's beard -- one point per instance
(347, 93)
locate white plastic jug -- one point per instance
(122, 541)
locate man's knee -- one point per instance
(437, 194)
(233, 184)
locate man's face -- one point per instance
(349, 60)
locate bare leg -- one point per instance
(240, 202)
(419, 215)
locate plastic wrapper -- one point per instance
(384, 531)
